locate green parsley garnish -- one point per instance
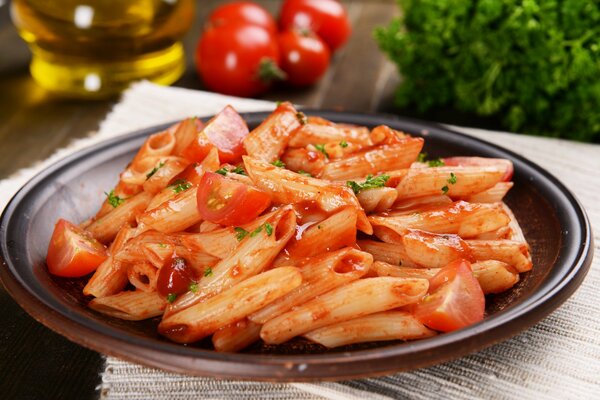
(162, 245)
(208, 271)
(422, 157)
(370, 183)
(256, 231)
(149, 174)
(238, 170)
(343, 144)
(321, 148)
(240, 233)
(278, 103)
(171, 297)
(268, 228)
(436, 163)
(444, 189)
(180, 185)
(278, 163)
(221, 171)
(302, 172)
(302, 118)
(452, 179)
(193, 287)
(114, 200)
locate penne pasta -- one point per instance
(391, 253)
(162, 173)
(143, 276)
(173, 215)
(377, 199)
(383, 134)
(495, 194)
(237, 336)
(515, 254)
(494, 276)
(205, 318)
(304, 159)
(186, 132)
(319, 132)
(132, 306)
(432, 250)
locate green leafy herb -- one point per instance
(370, 183)
(180, 185)
(221, 171)
(278, 163)
(422, 157)
(278, 103)
(193, 287)
(149, 174)
(208, 271)
(302, 118)
(302, 172)
(343, 144)
(445, 189)
(268, 228)
(321, 148)
(113, 199)
(452, 179)
(256, 231)
(240, 233)
(162, 245)
(238, 170)
(436, 163)
(171, 297)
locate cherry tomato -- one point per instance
(238, 59)
(505, 164)
(304, 57)
(455, 299)
(327, 18)
(226, 131)
(174, 277)
(227, 202)
(73, 252)
(243, 11)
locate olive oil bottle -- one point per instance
(96, 48)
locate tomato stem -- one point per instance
(269, 71)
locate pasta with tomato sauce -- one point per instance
(300, 227)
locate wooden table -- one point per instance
(34, 361)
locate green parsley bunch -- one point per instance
(533, 63)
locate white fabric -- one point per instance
(557, 358)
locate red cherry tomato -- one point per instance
(73, 252)
(327, 18)
(174, 277)
(238, 59)
(226, 131)
(455, 300)
(227, 202)
(505, 164)
(245, 12)
(304, 57)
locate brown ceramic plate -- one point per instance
(553, 221)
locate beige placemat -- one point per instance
(557, 358)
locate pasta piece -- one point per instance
(254, 253)
(501, 233)
(341, 149)
(157, 145)
(287, 187)
(494, 276)
(380, 268)
(236, 336)
(389, 325)
(354, 300)
(106, 228)
(377, 199)
(158, 253)
(303, 159)
(268, 140)
(495, 194)
(132, 306)
(516, 233)
(143, 276)
(383, 134)
(207, 226)
(187, 130)
(173, 215)
(160, 176)
(515, 254)
(391, 253)
(462, 218)
(321, 131)
(319, 275)
(374, 161)
(229, 306)
(432, 250)
(453, 181)
(407, 206)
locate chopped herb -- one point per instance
(302, 118)
(180, 185)
(302, 172)
(221, 171)
(278, 103)
(278, 163)
(238, 170)
(208, 271)
(370, 183)
(422, 157)
(452, 179)
(268, 228)
(114, 200)
(162, 245)
(445, 189)
(240, 233)
(149, 174)
(436, 163)
(171, 297)
(193, 287)
(321, 148)
(256, 231)
(343, 144)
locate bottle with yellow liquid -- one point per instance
(96, 48)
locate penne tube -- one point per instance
(495, 194)
(321, 131)
(377, 199)
(267, 141)
(319, 275)
(303, 159)
(157, 253)
(494, 276)
(229, 306)
(237, 336)
(342, 148)
(380, 268)
(389, 325)
(516, 233)
(132, 305)
(462, 218)
(383, 134)
(162, 173)
(287, 187)
(354, 300)
(254, 253)
(122, 191)
(456, 182)
(413, 204)
(431, 250)
(106, 228)
(391, 253)
(501, 233)
(185, 133)
(516, 254)
(143, 276)
(207, 226)
(173, 215)
(374, 161)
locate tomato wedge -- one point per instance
(502, 163)
(227, 202)
(226, 131)
(73, 252)
(455, 299)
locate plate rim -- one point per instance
(291, 364)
